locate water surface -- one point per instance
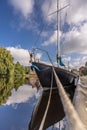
(17, 100)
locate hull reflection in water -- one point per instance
(55, 111)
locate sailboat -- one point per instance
(44, 72)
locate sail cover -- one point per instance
(61, 62)
(55, 111)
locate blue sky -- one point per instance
(21, 21)
(11, 34)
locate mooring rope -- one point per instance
(48, 104)
(73, 118)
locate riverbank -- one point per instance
(83, 80)
(34, 81)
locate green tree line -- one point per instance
(11, 74)
(84, 71)
(6, 86)
(6, 62)
(7, 66)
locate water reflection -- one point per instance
(6, 85)
(17, 100)
(22, 95)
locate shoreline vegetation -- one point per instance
(17, 75)
(8, 67)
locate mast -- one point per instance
(58, 56)
(59, 9)
(58, 34)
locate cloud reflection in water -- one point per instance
(22, 95)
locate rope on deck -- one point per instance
(48, 104)
(73, 118)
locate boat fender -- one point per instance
(35, 67)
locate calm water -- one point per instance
(17, 100)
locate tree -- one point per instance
(6, 62)
(84, 70)
(86, 64)
(6, 86)
(19, 69)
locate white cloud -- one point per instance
(20, 55)
(25, 7)
(38, 56)
(78, 11)
(52, 39)
(44, 34)
(75, 62)
(47, 8)
(76, 40)
(66, 59)
(84, 58)
(50, 7)
(25, 91)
